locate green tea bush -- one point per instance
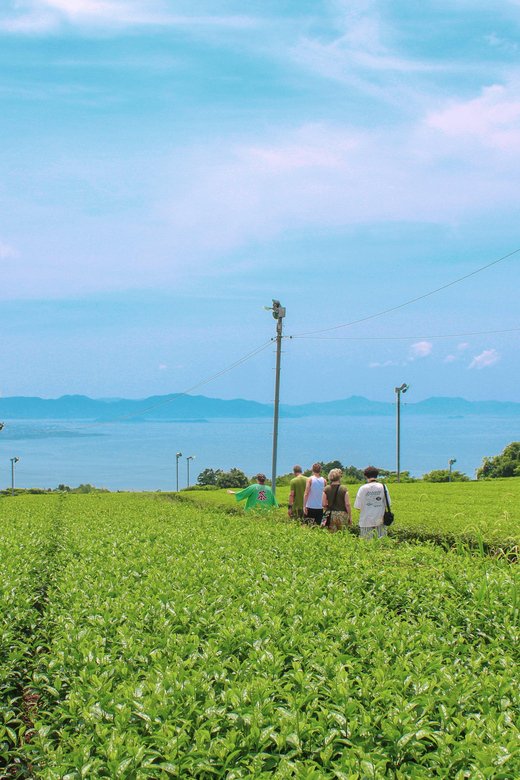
(26, 539)
(197, 644)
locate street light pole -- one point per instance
(13, 461)
(450, 464)
(177, 456)
(190, 457)
(278, 313)
(398, 390)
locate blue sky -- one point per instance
(168, 167)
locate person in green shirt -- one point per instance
(297, 486)
(259, 495)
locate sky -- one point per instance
(167, 168)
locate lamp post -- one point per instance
(278, 313)
(190, 457)
(450, 464)
(13, 461)
(177, 456)
(398, 391)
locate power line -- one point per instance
(406, 338)
(176, 396)
(411, 300)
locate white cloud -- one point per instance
(227, 194)
(492, 119)
(360, 53)
(162, 366)
(486, 358)
(450, 358)
(420, 349)
(7, 252)
(40, 16)
(385, 364)
(463, 346)
(499, 42)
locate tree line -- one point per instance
(507, 464)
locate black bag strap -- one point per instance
(330, 508)
(386, 497)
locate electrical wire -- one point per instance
(411, 300)
(188, 390)
(406, 338)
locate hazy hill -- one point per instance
(188, 407)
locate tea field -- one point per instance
(486, 512)
(148, 638)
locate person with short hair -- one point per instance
(313, 496)
(297, 490)
(370, 500)
(337, 499)
(256, 496)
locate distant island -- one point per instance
(181, 408)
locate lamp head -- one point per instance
(402, 389)
(178, 455)
(1, 426)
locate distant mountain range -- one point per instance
(178, 407)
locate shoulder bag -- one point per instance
(327, 517)
(388, 517)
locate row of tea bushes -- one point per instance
(191, 644)
(26, 533)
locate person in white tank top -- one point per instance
(313, 497)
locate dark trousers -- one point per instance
(314, 516)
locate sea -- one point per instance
(142, 455)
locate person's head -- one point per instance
(260, 478)
(335, 475)
(316, 468)
(297, 470)
(371, 472)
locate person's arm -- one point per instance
(325, 500)
(348, 508)
(242, 493)
(306, 495)
(291, 502)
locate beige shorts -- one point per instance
(338, 521)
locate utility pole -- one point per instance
(450, 464)
(190, 457)
(177, 456)
(278, 313)
(13, 461)
(398, 390)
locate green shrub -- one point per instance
(507, 464)
(444, 475)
